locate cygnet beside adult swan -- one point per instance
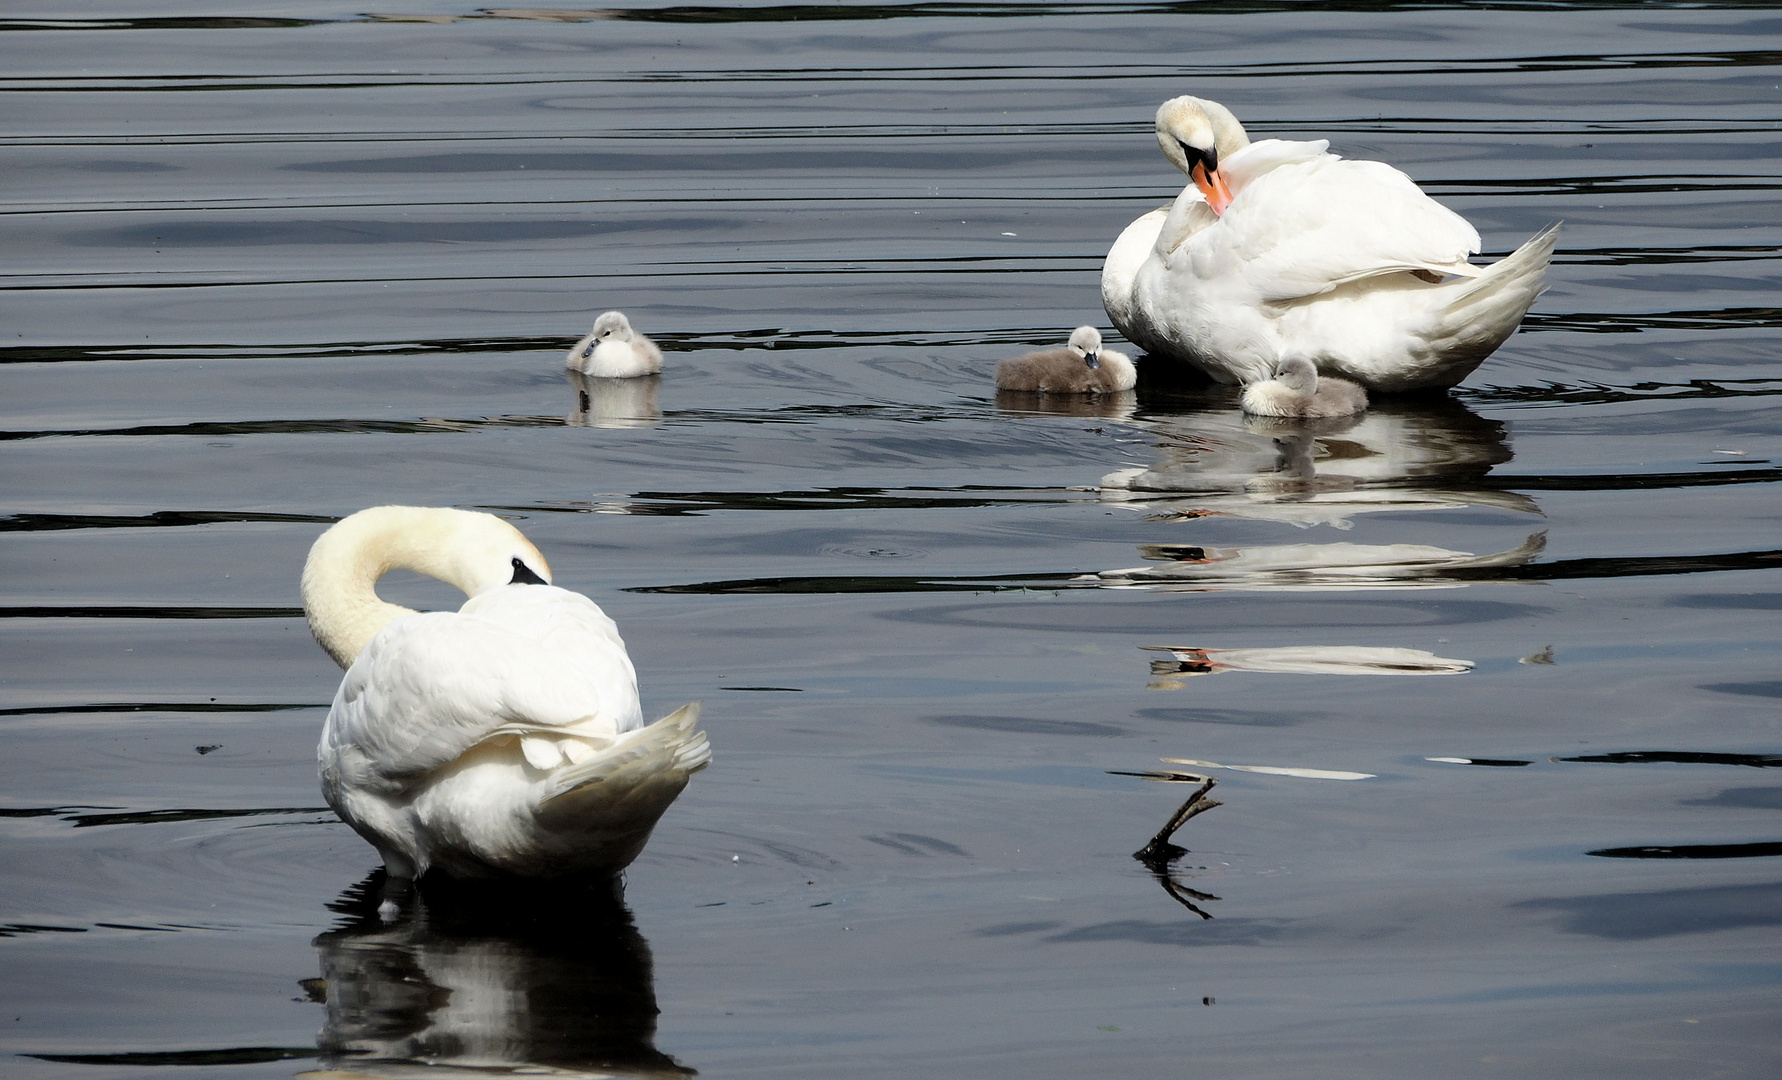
(1297, 391)
(1282, 248)
(501, 739)
(1081, 367)
(612, 350)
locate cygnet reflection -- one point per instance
(1119, 406)
(482, 978)
(1187, 662)
(613, 403)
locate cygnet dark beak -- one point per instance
(1092, 360)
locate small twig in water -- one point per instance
(1160, 852)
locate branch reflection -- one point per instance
(548, 980)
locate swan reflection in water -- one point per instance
(1306, 473)
(1399, 456)
(479, 978)
(613, 403)
(1188, 568)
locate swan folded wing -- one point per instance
(1305, 229)
(1243, 166)
(547, 613)
(432, 686)
(579, 633)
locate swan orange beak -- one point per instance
(1212, 185)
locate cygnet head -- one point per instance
(1298, 375)
(1194, 134)
(1085, 341)
(611, 326)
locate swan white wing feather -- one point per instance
(1121, 267)
(1243, 166)
(538, 662)
(1310, 227)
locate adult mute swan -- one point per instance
(612, 350)
(501, 739)
(1280, 249)
(1297, 391)
(1081, 367)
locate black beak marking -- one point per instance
(523, 575)
(1208, 157)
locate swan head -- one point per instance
(1298, 375)
(1194, 134)
(473, 551)
(1085, 341)
(611, 326)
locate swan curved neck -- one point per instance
(467, 550)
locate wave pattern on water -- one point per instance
(264, 271)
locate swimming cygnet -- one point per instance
(615, 351)
(1081, 367)
(1296, 390)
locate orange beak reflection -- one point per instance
(1212, 185)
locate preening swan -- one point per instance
(1282, 248)
(1081, 367)
(1297, 391)
(612, 350)
(503, 738)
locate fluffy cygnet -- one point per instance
(1081, 367)
(1297, 391)
(615, 351)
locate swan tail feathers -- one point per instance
(629, 784)
(1488, 309)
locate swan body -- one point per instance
(1280, 248)
(504, 738)
(1297, 391)
(612, 350)
(1081, 367)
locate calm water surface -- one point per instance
(268, 264)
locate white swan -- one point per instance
(1080, 367)
(503, 738)
(1297, 391)
(1283, 249)
(612, 350)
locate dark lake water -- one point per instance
(269, 264)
